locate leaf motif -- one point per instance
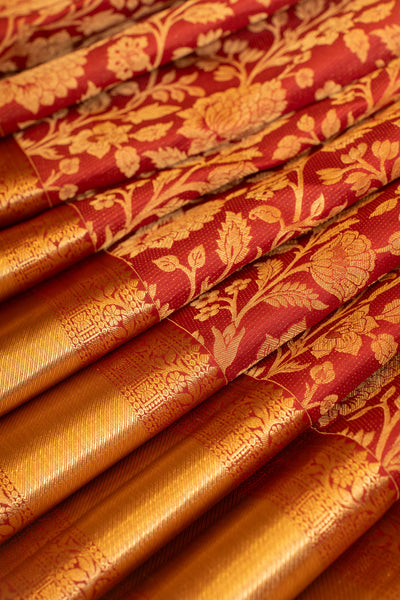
(268, 214)
(168, 263)
(286, 294)
(396, 168)
(317, 206)
(48, 153)
(357, 41)
(391, 312)
(234, 238)
(225, 73)
(161, 95)
(384, 207)
(197, 257)
(293, 330)
(226, 345)
(269, 345)
(267, 270)
(376, 13)
(209, 12)
(152, 133)
(152, 112)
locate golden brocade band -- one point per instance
(164, 498)
(44, 244)
(370, 569)
(41, 531)
(291, 528)
(57, 330)
(111, 409)
(21, 192)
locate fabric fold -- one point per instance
(180, 110)
(200, 293)
(36, 33)
(284, 408)
(38, 248)
(105, 301)
(368, 570)
(173, 32)
(317, 499)
(139, 389)
(355, 474)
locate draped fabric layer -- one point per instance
(200, 299)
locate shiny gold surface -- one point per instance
(34, 250)
(87, 423)
(21, 192)
(276, 542)
(370, 569)
(62, 325)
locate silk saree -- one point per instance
(200, 299)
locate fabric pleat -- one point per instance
(114, 136)
(369, 569)
(218, 455)
(293, 524)
(102, 303)
(138, 49)
(51, 29)
(34, 250)
(200, 299)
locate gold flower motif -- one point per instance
(127, 160)
(329, 88)
(127, 57)
(229, 114)
(113, 315)
(101, 201)
(98, 141)
(342, 266)
(205, 299)
(394, 243)
(323, 373)
(347, 336)
(69, 166)
(41, 86)
(43, 49)
(207, 312)
(342, 476)
(237, 286)
(68, 191)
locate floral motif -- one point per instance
(127, 160)
(36, 87)
(69, 166)
(98, 141)
(68, 191)
(208, 311)
(128, 56)
(346, 337)
(225, 115)
(323, 373)
(384, 347)
(42, 49)
(343, 265)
